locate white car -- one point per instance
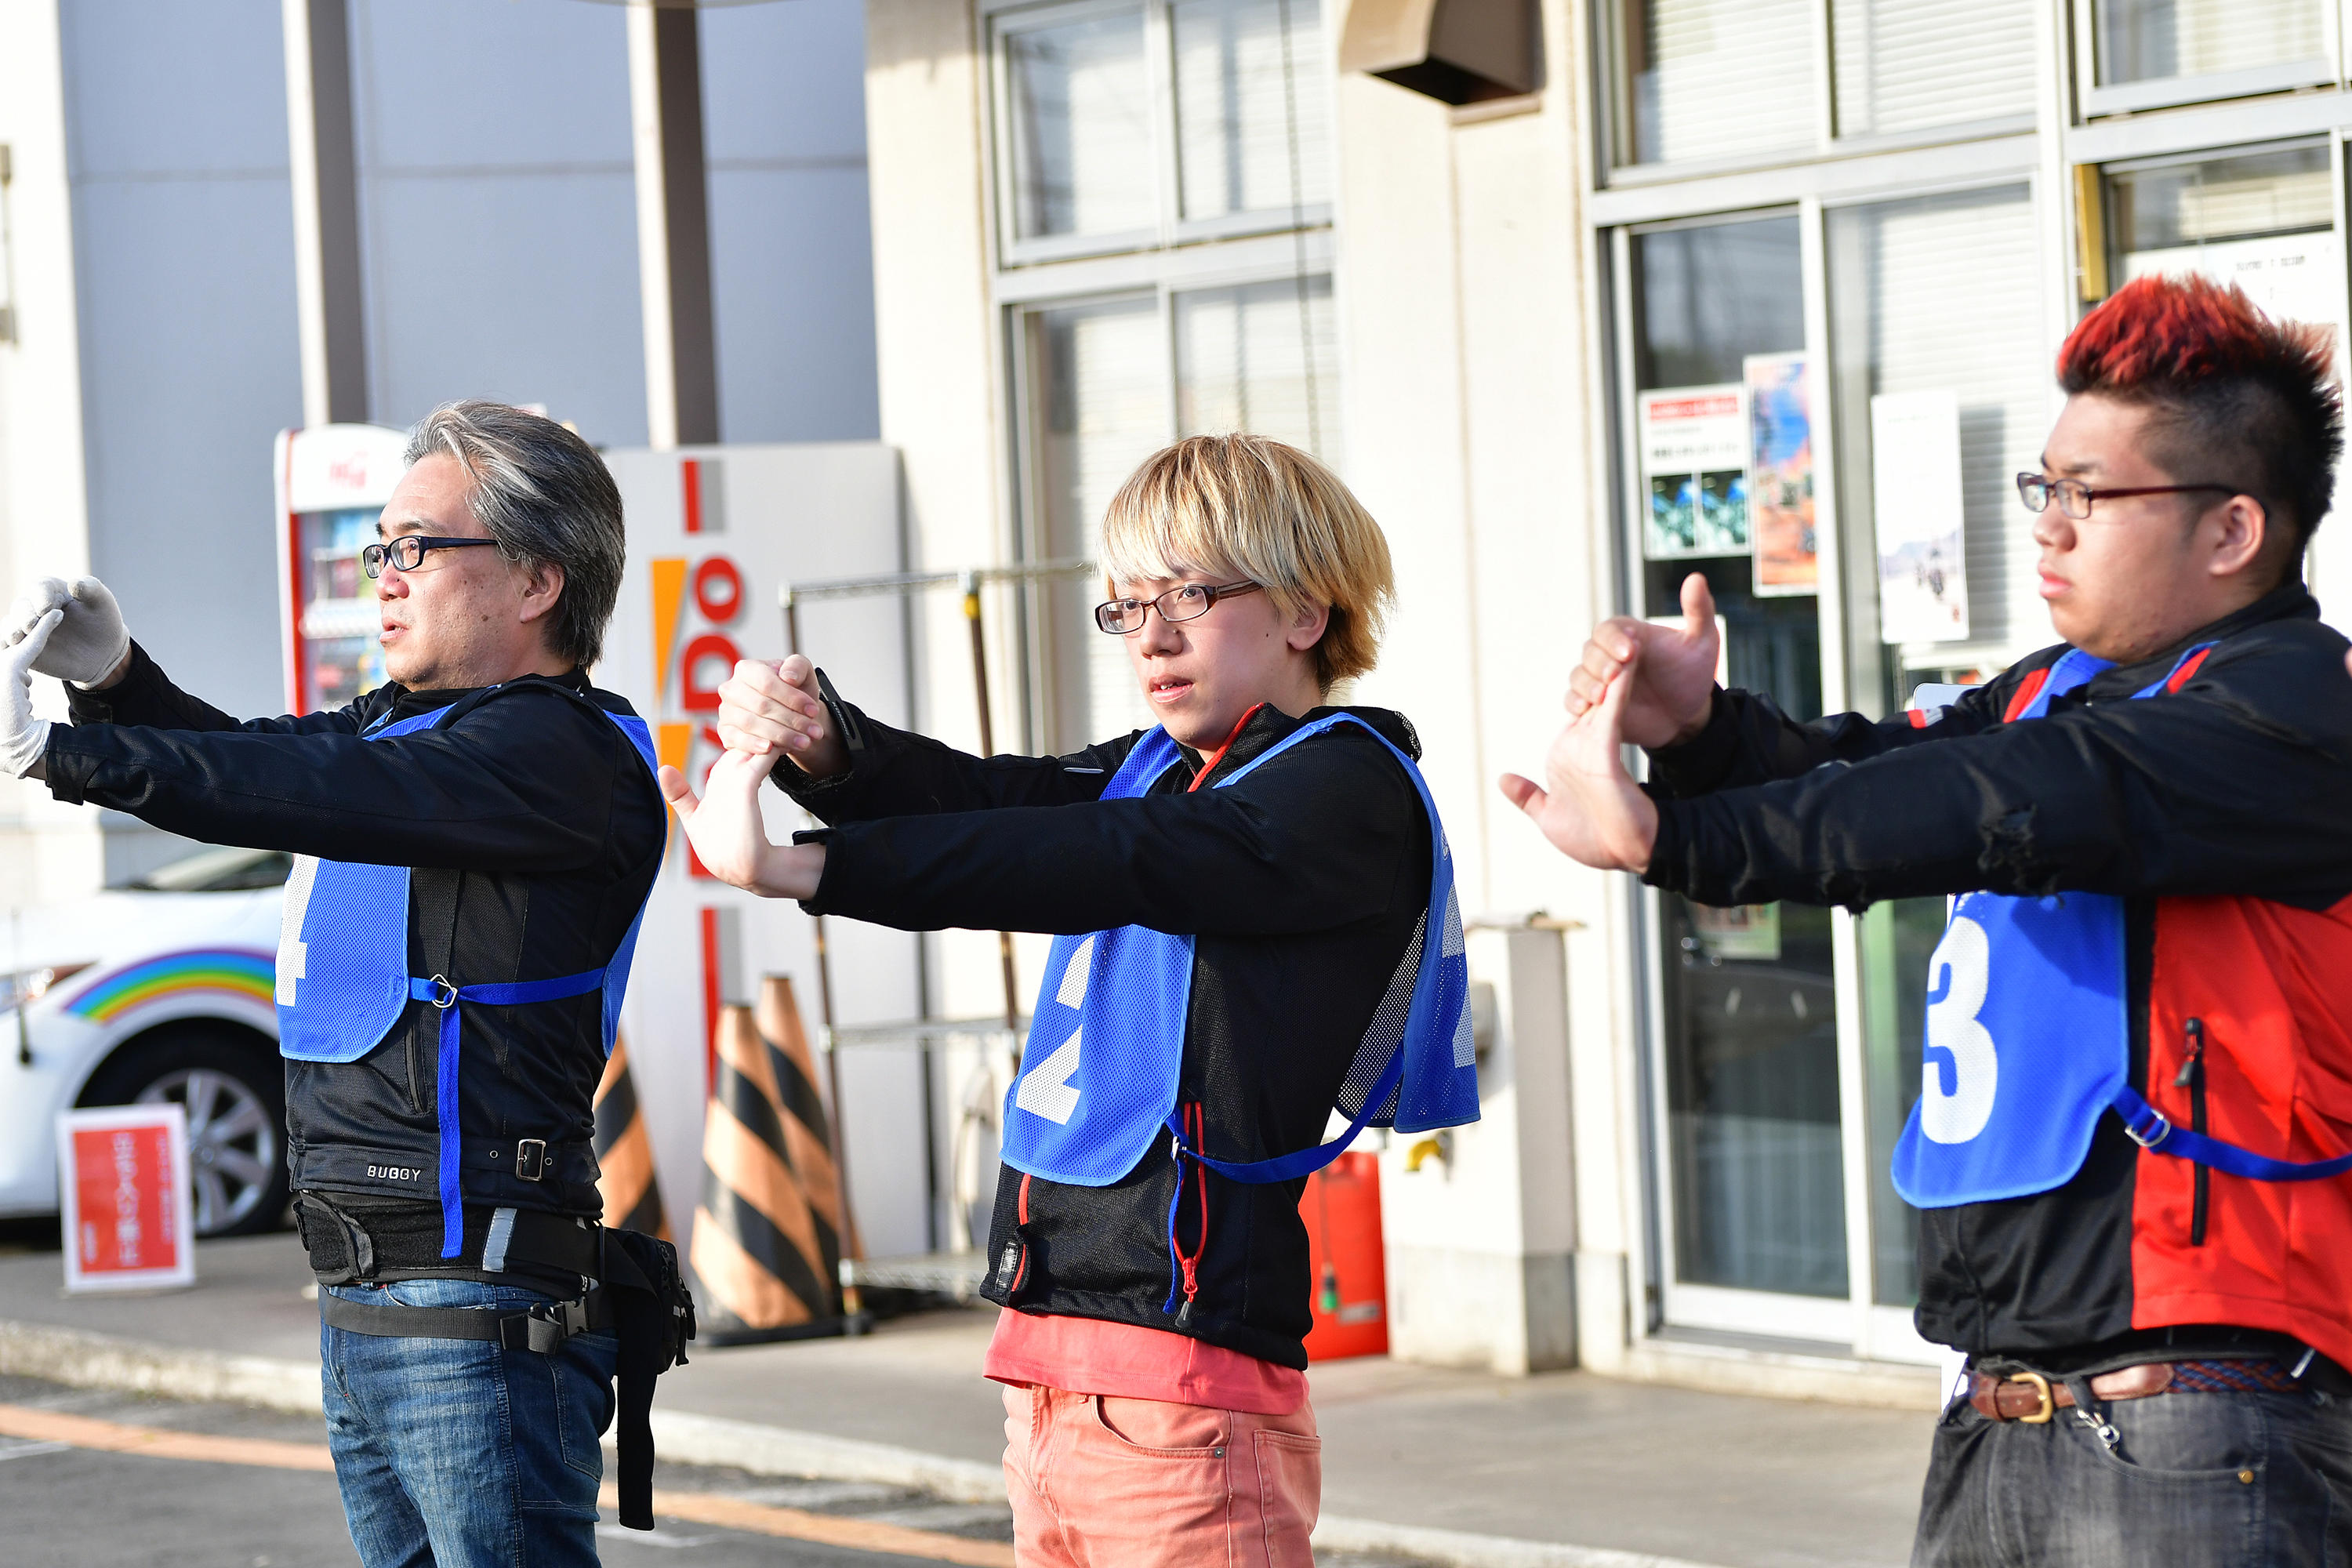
(164, 990)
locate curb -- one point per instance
(84, 1360)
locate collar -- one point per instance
(407, 704)
(2290, 601)
(1267, 726)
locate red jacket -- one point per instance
(2221, 813)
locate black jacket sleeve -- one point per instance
(2234, 785)
(1310, 841)
(525, 778)
(1748, 740)
(146, 696)
(892, 773)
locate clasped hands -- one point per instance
(1651, 685)
(767, 713)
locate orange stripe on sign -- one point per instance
(669, 573)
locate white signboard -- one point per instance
(123, 1185)
(2291, 277)
(714, 532)
(1694, 471)
(1917, 502)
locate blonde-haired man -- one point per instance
(1240, 897)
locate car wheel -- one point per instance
(235, 1095)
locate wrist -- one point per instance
(1693, 727)
(792, 871)
(113, 676)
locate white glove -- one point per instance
(22, 737)
(91, 641)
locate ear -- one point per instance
(541, 588)
(2242, 528)
(1307, 626)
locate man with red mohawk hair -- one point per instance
(2132, 1152)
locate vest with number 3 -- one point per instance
(2029, 1035)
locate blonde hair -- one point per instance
(1248, 507)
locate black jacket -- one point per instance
(1303, 883)
(533, 831)
(2218, 813)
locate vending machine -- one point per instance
(333, 482)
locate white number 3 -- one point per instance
(1964, 956)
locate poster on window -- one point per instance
(1695, 471)
(1916, 504)
(2289, 277)
(1781, 475)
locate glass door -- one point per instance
(1746, 998)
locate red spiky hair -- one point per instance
(2232, 388)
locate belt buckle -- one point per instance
(530, 1158)
(2041, 1385)
(2159, 1128)
(445, 995)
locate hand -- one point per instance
(1593, 811)
(729, 835)
(90, 646)
(22, 737)
(764, 706)
(1674, 692)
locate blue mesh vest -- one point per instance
(343, 980)
(2027, 1038)
(1099, 1077)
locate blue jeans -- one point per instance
(460, 1453)
(2195, 1480)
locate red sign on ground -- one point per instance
(123, 1187)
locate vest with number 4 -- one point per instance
(1098, 1083)
(343, 980)
(2029, 1035)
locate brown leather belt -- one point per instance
(2032, 1398)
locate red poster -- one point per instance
(125, 1196)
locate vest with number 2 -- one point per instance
(1099, 1079)
(343, 982)
(2029, 1036)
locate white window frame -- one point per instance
(1004, 18)
(2323, 69)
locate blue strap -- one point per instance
(2157, 1132)
(1315, 1156)
(445, 996)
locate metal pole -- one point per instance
(988, 749)
(851, 1306)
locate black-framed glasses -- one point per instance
(408, 551)
(1188, 602)
(2075, 496)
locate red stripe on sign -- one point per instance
(709, 999)
(689, 474)
(2027, 690)
(2188, 667)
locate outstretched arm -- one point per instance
(1592, 811)
(729, 835)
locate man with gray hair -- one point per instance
(476, 840)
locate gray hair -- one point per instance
(548, 501)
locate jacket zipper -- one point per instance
(2191, 1077)
(1188, 1267)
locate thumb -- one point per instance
(1525, 794)
(1699, 605)
(677, 791)
(37, 637)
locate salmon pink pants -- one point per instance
(1102, 1481)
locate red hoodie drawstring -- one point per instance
(1195, 1129)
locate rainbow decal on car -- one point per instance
(237, 971)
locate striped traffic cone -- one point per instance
(625, 1153)
(765, 1249)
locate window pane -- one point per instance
(1907, 65)
(1244, 142)
(2146, 40)
(1247, 359)
(1716, 78)
(1081, 134)
(1750, 1003)
(2223, 199)
(1098, 406)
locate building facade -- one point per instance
(219, 221)
(1581, 299)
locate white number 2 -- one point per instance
(1964, 960)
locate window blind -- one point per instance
(1909, 65)
(1080, 99)
(1234, 115)
(2147, 40)
(1715, 78)
(1242, 362)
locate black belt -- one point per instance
(544, 1328)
